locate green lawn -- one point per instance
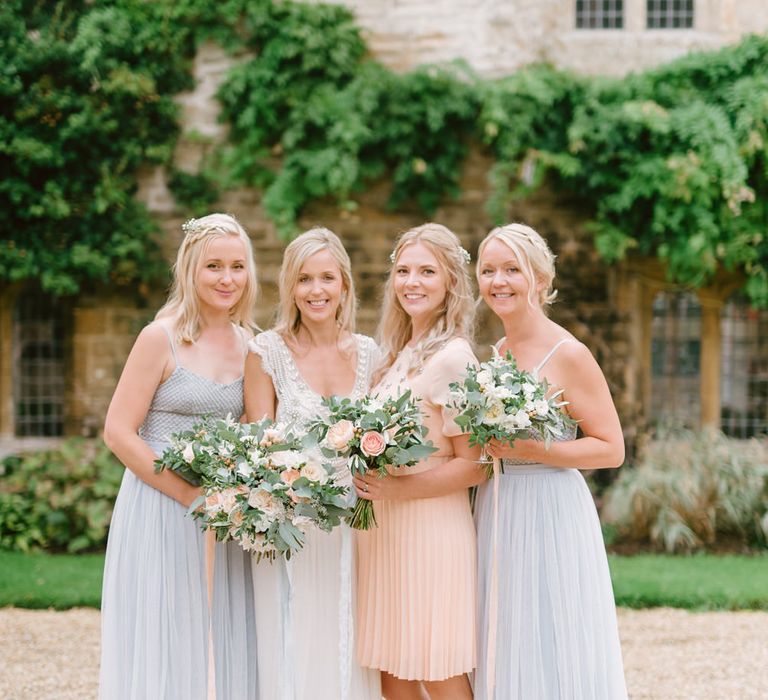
(700, 582)
(50, 581)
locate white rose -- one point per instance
(529, 389)
(339, 435)
(522, 419)
(188, 453)
(289, 459)
(499, 393)
(244, 469)
(303, 523)
(541, 407)
(314, 471)
(494, 413)
(485, 378)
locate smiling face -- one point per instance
(222, 276)
(502, 284)
(419, 282)
(319, 288)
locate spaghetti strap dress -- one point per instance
(158, 633)
(556, 634)
(416, 569)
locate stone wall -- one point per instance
(499, 37)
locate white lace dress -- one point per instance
(304, 606)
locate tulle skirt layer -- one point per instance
(416, 607)
(556, 632)
(160, 637)
(304, 611)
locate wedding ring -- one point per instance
(365, 488)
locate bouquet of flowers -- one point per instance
(498, 400)
(264, 485)
(372, 434)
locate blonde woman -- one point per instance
(416, 570)
(554, 616)
(165, 634)
(304, 607)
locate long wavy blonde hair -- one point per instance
(183, 305)
(296, 254)
(455, 319)
(536, 260)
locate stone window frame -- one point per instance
(670, 14)
(599, 14)
(637, 283)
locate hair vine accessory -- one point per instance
(188, 226)
(466, 258)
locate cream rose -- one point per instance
(269, 506)
(315, 472)
(339, 435)
(372, 444)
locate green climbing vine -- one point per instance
(671, 162)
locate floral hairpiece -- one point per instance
(466, 258)
(188, 226)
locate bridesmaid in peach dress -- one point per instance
(416, 570)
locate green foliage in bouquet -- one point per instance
(58, 500)
(264, 484)
(497, 400)
(692, 491)
(372, 434)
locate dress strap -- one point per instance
(173, 345)
(548, 356)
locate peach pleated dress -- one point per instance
(417, 569)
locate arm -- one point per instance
(590, 402)
(260, 399)
(457, 474)
(144, 370)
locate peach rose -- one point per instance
(290, 475)
(372, 444)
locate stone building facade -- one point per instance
(666, 352)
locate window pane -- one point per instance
(675, 360)
(599, 14)
(744, 374)
(675, 14)
(39, 372)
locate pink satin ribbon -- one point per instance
(490, 663)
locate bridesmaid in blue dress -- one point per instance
(547, 618)
(177, 609)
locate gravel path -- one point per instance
(668, 654)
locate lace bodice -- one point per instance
(297, 402)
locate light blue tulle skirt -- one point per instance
(160, 637)
(556, 633)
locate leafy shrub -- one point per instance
(691, 490)
(58, 500)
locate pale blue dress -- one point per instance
(157, 629)
(556, 630)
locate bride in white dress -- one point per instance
(304, 606)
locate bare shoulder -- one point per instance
(577, 359)
(155, 337)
